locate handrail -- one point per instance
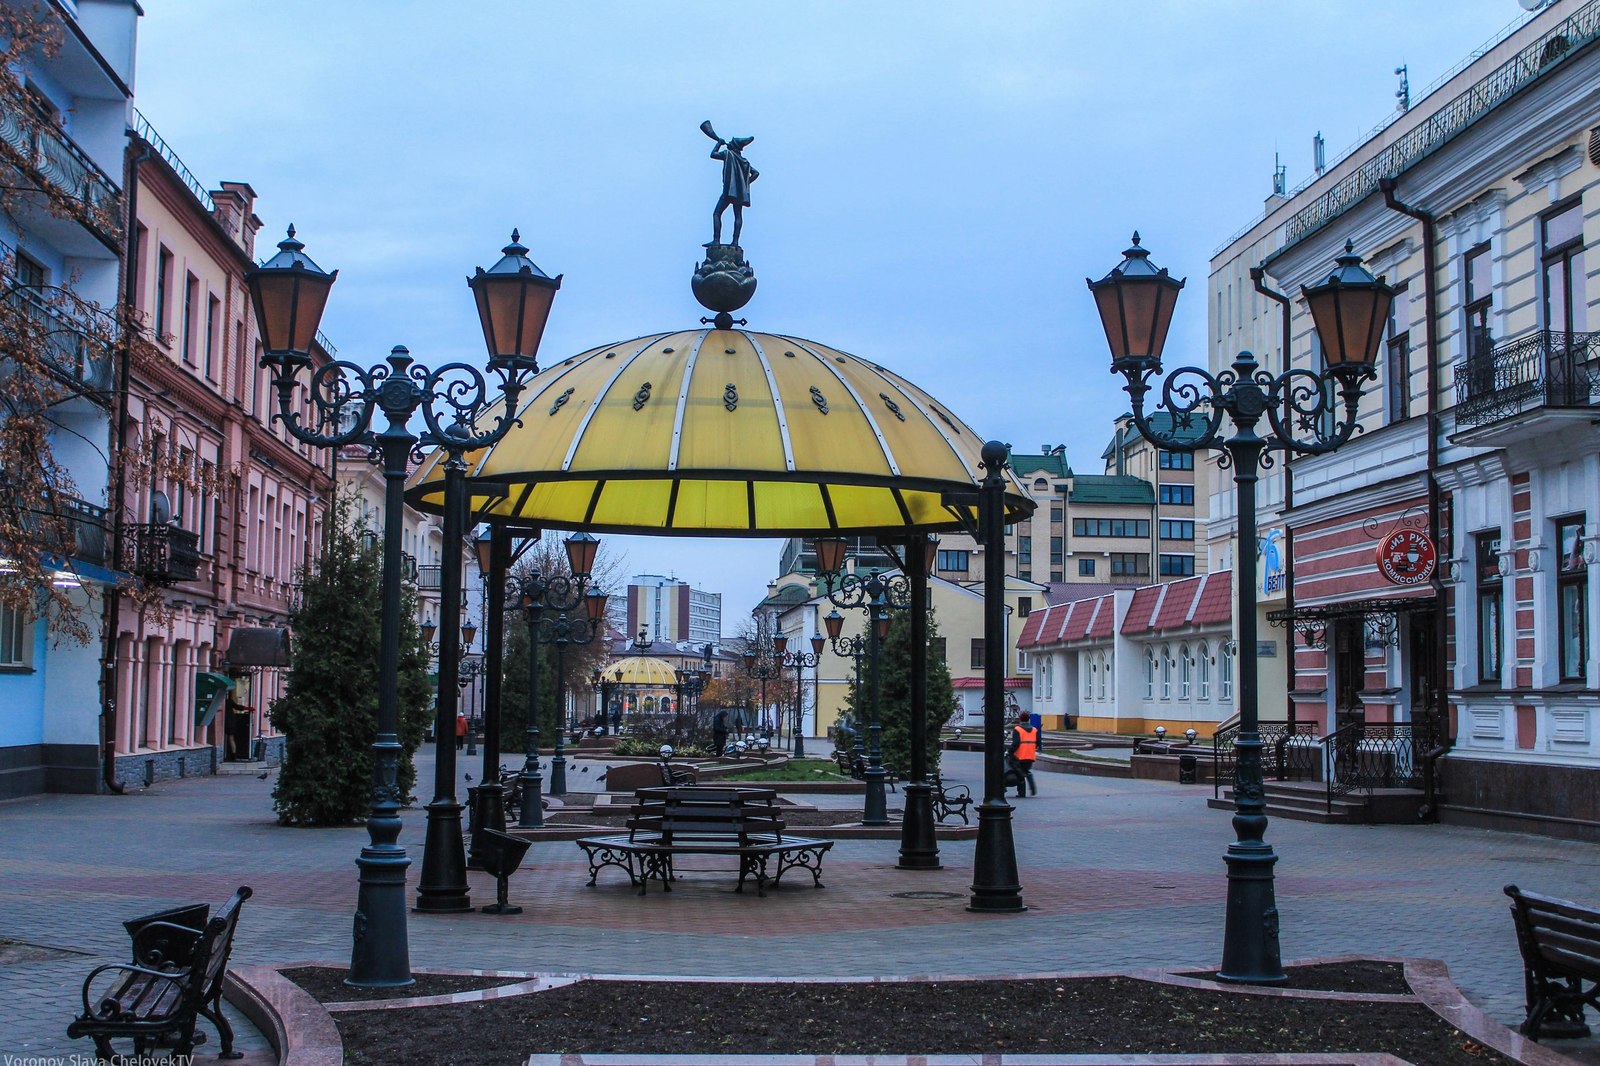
(1544, 368)
(1369, 755)
(142, 127)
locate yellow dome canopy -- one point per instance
(724, 432)
(641, 670)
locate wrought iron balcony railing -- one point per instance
(1541, 369)
(161, 552)
(428, 577)
(75, 347)
(71, 528)
(57, 161)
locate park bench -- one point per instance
(949, 800)
(704, 820)
(1560, 943)
(176, 975)
(851, 766)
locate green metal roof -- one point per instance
(1161, 422)
(1024, 465)
(1111, 488)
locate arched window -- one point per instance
(1090, 678)
(1150, 674)
(1166, 672)
(1184, 671)
(1105, 673)
(1205, 671)
(1040, 484)
(1226, 684)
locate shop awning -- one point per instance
(259, 646)
(1379, 617)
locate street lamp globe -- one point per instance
(514, 298)
(581, 550)
(1135, 302)
(289, 292)
(1350, 310)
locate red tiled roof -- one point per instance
(1179, 603)
(1032, 627)
(1105, 609)
(1142, 609)
(977, 682)
(1216, 599)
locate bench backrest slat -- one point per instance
(1580, 960)
(218, 943)
(1557, 936)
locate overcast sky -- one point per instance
(937, 178)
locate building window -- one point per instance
(1150, 674)
(1048, 676)
(1166, 672)
(1175, 460)
(1024, 606)
(14, 643)
(1105, 672)
(1177, 529)
(163, 285)
(1180, 495)
(1024, 553)
(1086, 568)
(212, 335)
(1111, 527)
(1177, 566)
(1203, 662)
(1055, 551)
(1397, 357)
(1184, 672)
(1090, 677)
(1564, 299)
(191, 289)
(978, 658)
(1055, 575)
(1479, 297)
(30, 273)
(952, 560)
(1055, 512)
(936, 650)
(1130, 564)
(1225, 683)
(1572, 599)
(1491, 596)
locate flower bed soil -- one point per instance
(1090, 1015)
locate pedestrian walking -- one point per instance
(1022, 752)
(461, 731)
(719, 731)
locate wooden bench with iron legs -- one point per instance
(949, 800)
(176, 977)
(705, 820)
(1560, 943)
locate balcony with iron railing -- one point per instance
(161, 552)
(428, 578)
(70, 529)
(1553, 374)
(76, 339)
(44, 148)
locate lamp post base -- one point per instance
(919, 848)
(380, 956)
(1250, 950)
(490, 814)
(558, 774)
(442, 888)
(996, 888)
(876, 806)
(530, 814)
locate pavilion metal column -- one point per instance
(491, 811)
(995, 885)
(919, 846)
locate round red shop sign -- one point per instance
(1407, 557)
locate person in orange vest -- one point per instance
(461, 731)
(1023, 750)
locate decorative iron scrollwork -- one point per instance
(641, 397)
(730, 396)
(894, 408)
(820, 400)
(561, 401)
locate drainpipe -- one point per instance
(1430, 266)
(1258, 276)
(111, 620)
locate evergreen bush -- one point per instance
(894, 674)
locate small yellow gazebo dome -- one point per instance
(724, 432)
(643, 670)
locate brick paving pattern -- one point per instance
(1117, 874)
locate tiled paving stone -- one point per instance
(1116, 874)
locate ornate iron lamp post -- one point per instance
(764, 664)
(289, 293)
(1309, 413)
(798, 661)
(877, 594)
(560, 594)
(471, 670)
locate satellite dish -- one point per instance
(160, 508)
